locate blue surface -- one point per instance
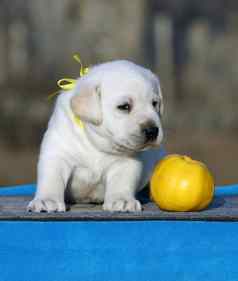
(226, 190)
(118, 251)
(27, 189)
(113, 251)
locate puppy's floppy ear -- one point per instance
(86, 103)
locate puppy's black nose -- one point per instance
(151, 133)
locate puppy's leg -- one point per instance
(121, 184)
(53, 174)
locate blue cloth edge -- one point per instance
(29, 189)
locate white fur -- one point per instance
(107, 161)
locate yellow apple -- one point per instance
(180, 183)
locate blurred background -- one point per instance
(191, 45)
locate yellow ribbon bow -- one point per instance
(67, 84)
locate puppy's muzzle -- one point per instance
(150, 133)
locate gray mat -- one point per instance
(222, 209)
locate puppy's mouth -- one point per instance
(125, 146)
(128, 145)
(140, 143)
(133, 145)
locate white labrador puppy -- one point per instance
(110, 158)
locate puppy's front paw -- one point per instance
(45, 205)
(121, 205)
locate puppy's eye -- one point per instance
(124, 107)
(154, 103)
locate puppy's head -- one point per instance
(121, 103)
